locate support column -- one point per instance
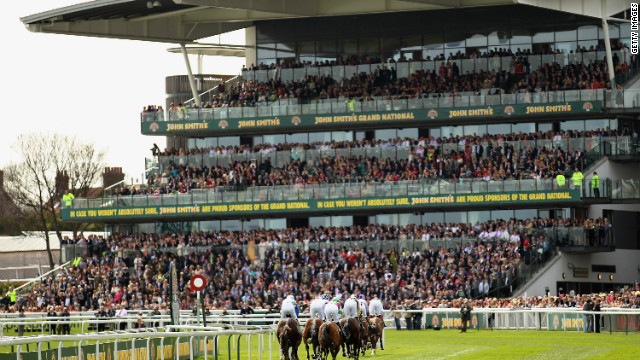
(607, 46)
(192, 82)
(200, 56)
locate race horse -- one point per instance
(352, 339)
(289, 338)
(375, 333)
(364, 334)
(311, 334)
(329, 340)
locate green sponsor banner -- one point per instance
(453, 320)
(568, 321)
(344, 120)
(297, 206)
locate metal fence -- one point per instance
(609, 188)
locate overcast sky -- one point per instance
(90, 87)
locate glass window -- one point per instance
(301, 138)
(341, 220)
(455, 217)
(412, 43)
(326, 49)
(387, 219)
(567, 47)
(306, 49)
(474, 217)
(320, 137)
(516, 48)
(523, 214)
(435, 132)
(477, 40)
(146, 228)
(369, 46)
(543, 37)
(566, 35)
(317, 221)
(390, 47)
(275, 224)
(433, 218)
(520, 36)
(596, 124)
(498, 38)
(266, 51)
(286, 50)
(409, 132)
(454, 40)
(210, 225)
(625, 31)
(231, 225)
(588, 44)
(499, 128)
(406, 219)
(576, 125)
(342, 135)
(524, 127)
(545, 127)
(452, 131)
(360, 135)
(348, 46)
(587, 32)
(454, 52)
(273, 139)
(501, 214)
(229, 141)
(475, 129)
(433, 45)
(385, 134)
(614, 31)
(253, 224)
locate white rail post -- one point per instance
(206, 350)
(190, 348)
(39, 351)
(98, 349)
(161, 348)
(149, 349)
(18, 351)
(249, 346)
(115, 349)
(80, 349)
(177, 348)
(60, 350)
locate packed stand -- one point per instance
(130, 270)
(428, 158)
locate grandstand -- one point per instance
(405, 149)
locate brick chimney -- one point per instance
(112, 175)
(62, 182)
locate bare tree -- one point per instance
(37, 182)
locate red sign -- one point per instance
(198, 283)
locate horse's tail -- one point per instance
(313, 332)
(324, 335)
(347, 331)
(286, 331)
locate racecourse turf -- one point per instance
(483, 344)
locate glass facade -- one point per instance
(470, 217)
(428, 34)
(384, 134)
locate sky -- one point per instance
(87, 87)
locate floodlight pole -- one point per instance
(192, 82)
(607, 46)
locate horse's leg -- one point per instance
(381, 344)
(344, 353)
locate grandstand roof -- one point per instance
(177, 21)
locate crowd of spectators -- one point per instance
(384, 83)
(489, 157)
(130, 270)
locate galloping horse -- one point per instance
(364, 334)
(377, 325)
(311, 335)
(329, 340)
(289, 338)
(352, 338)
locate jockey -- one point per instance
(317, 306)
(363, 305)
(333, 310)
(375, 308)
(352, 307)
(289, 308)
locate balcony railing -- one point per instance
(629, 98)
(592, 146)
(609, 188)
(404, 69)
